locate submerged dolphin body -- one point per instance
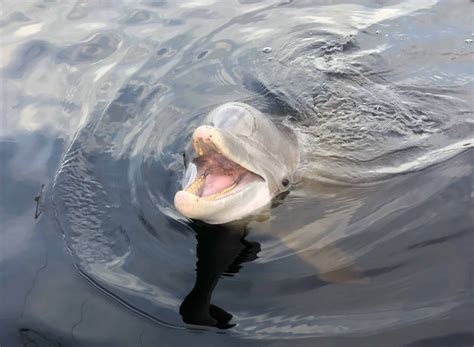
(243, 160)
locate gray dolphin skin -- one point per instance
(242, 161)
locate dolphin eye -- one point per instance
(285, 182)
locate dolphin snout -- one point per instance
(184, 203)
(203, 132)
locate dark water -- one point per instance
(373, 247)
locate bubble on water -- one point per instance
(266, 49)
(377, 32)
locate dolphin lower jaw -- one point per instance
(248, 201)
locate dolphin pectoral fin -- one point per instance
(334, 265)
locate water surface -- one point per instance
(373, 246)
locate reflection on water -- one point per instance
(220, 250)
(99, 100)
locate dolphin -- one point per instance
(242, 160)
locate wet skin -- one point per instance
(241, 161)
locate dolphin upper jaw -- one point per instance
(248, 154)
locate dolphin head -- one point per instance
(242, 160)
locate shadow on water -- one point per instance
(221, 249)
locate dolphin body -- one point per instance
(242, 161)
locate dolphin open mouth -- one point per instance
(216, 176)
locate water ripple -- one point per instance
(346, 252)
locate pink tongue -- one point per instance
(216, 183)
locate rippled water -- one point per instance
(373, 246)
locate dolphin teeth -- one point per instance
(194, 187)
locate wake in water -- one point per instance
(354, 124)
